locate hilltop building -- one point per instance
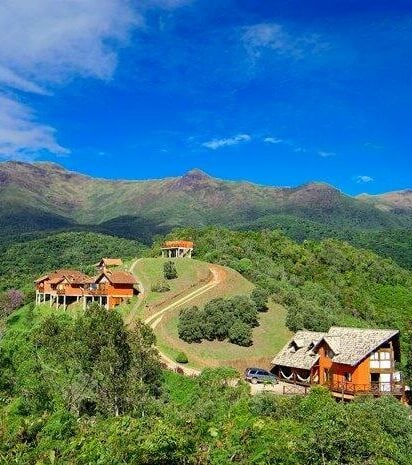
(177, 249)
(348, 361)
(66, 286)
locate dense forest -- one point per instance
(22, 261)
(88, 390)
(320, 283)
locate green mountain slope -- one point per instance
(195, 198)
(46, 197)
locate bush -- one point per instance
(181, 357)
(10, 301)
(190, 325)
(169, 270)
(160, 286)
(260, 297)
(240, 333)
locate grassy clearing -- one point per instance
(191, 273)
(269, 337)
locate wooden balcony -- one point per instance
(375, 389)
(101, 290)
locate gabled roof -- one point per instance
(352, 345)
(298, 352)
(117, 277)
(111, 262)
(72, 276)
(349, 345)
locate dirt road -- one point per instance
(217, 276)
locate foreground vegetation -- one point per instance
(86, 390)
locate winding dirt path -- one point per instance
(218, 275)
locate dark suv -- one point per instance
(259, 375)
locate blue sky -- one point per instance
(275, 92)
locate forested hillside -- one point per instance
(22, 262)
(320, 283)
(89, 390)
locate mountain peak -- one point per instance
(196, 173)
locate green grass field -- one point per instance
(148, 271)
(268, 338)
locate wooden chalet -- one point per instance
(348, 361)
(63, 287)
(177, 249)
(111, 288)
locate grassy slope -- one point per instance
(269, 337)
(191, 273)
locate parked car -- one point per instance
(259, 375)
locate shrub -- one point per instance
(240, 333)
(10, 301)
(260, 297)
(190, 325)
(160, 286)
(181, 357)
(169, 270)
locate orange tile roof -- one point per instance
(175, 244)
(111, 261)
(118, 277)
(73, 276)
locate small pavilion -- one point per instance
(177, 249)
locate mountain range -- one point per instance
(40, 197)
(51, 193)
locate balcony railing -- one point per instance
(92, 291)
(376, 388)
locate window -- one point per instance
(329, 353)
(348, 377)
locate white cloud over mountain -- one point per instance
(226, 142)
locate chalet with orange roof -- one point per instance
(66, 286)
(177, 249)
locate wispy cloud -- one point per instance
(44, 44)
(363, 179)
(21, 135)
(371, 145)
(325, 154)
(273, 140)
(275, 37)
(218, 143)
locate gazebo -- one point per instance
(177, 249)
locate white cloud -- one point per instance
(21, 135)
(325, 154)
(218, 143)
(273, 140)
(46, 43)
(363, 179)
(274, 36)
